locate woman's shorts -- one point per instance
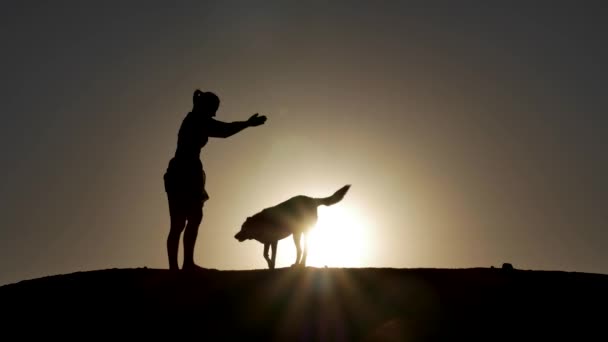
(184, 182)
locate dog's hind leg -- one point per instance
(296, 241)
(266, 246)
(273, 259)
(305, 253)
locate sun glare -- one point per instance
(339, 239)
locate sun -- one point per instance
(339, 239)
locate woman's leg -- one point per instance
(178, 223)
(194, 218)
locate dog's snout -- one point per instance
(239, 236)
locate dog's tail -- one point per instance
(335, 198)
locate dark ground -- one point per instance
(371, 304)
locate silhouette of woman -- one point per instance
(185, 178)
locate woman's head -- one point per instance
(205, 102)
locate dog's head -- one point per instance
(246, 230)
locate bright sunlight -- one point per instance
(339, 239)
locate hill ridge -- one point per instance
(423, 304)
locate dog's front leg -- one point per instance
(274, 247)
(270, 265)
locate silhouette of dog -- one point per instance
(295, 216)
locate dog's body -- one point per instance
(295, 216)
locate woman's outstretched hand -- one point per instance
(256, 120)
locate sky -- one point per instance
(472, 133)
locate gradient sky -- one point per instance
(472, 133)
